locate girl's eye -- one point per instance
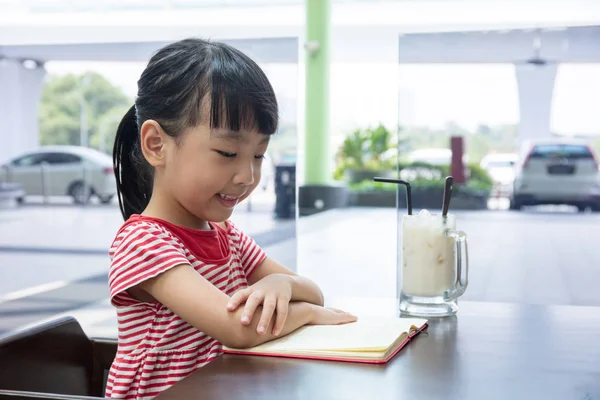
(226, 154)
(260, 157)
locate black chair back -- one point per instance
(56, 358)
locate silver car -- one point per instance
(73, 171)
(557, 172)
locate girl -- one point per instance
(184, 280)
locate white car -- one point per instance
(434, 156)
(74, 171)
(501, 169)
(558, 171)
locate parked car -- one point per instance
(559, 171)
(434, 156)
(9, 192)
(60, 171)
(501, 168)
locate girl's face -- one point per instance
(209, 171)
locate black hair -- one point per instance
(180, 81)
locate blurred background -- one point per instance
(500, 94)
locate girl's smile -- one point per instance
(228, 201)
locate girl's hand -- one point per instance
(331, 316)
(274, 293)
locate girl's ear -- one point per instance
(153, 143)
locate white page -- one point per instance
(367, 332)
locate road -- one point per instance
(54, 259)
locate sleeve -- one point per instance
(140, 252)
(251, 255)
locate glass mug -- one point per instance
(430, 271)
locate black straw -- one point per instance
(447, 195)
(400, 182)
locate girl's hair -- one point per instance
(186, 83)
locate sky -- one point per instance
(365, 94)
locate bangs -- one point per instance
(241, 97)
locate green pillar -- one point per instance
(319, 192)
(317, 153)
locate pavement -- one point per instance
(61, 227)
(53, 259)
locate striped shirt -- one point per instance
(156, 348)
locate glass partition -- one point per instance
(460, 110)
(526, 218)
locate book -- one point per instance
(368, 340)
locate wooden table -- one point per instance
(488, 351)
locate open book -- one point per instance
(368, 340)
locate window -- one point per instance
(28, 160)
(569, 151)
(61, 158)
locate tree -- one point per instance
(61, 109)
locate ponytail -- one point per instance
(132, 171)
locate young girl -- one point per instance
(185, 280)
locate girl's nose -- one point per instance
(245, 175)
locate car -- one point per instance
(434, 156)
(75, 171)
(9, 192)
(558, 171)
(501, 169)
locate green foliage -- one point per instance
(380, 141)
(341, 167)
(364, 149)
(61, 108)
(370, 186)
(426, 176)
(353, 148)
(478, 174)
(370, 149)
(376, 150)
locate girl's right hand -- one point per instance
(330, 316)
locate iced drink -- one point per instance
(428, 255)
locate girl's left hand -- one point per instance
(274, 292)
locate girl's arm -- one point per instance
(303, 289)
(202, 305)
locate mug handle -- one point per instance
(462, 257)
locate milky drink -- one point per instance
(428, 255)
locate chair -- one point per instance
(54, 360)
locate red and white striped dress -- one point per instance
(156, 347)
